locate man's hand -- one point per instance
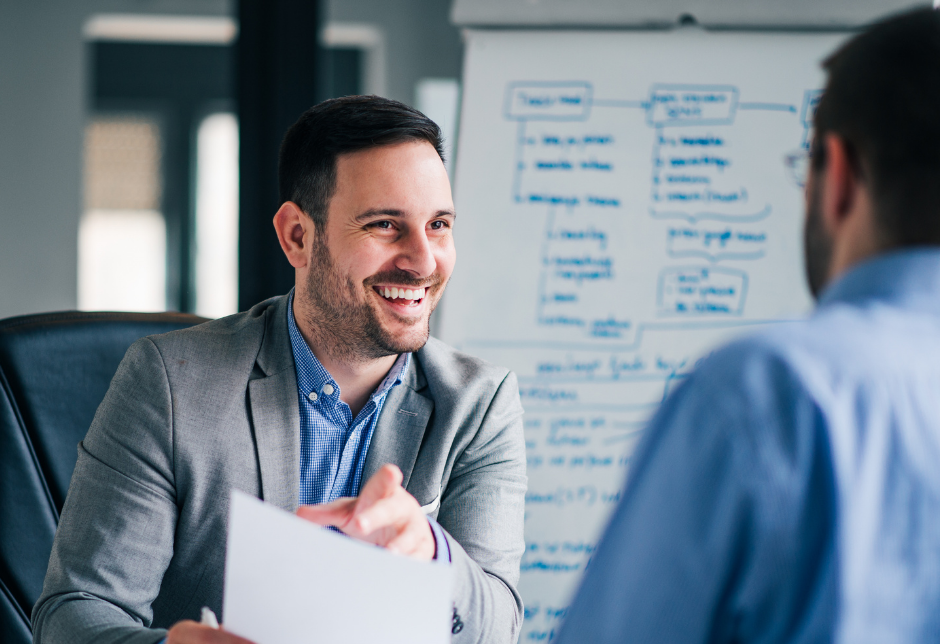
(383, 514)
(190, 632)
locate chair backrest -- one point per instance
(55, 369)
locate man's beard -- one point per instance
(344, 326)
(817, 244)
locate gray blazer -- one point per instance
(194, 413)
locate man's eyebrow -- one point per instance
(372, 213)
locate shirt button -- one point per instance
(313, 395)
(328, 390)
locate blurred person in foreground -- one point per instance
(331, 401)
(789, 490)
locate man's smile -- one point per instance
(401, 296)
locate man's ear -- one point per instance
(295, 232)
(839, 184)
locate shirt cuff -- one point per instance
(441, 546)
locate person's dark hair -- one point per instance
(307, 163)
(883, 98)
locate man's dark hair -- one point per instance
(883, 99)
(307, 164)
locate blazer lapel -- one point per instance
(401, 426)
(275, 413)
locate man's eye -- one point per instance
(438, 224)
(385, 225)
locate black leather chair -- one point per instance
(54, 371)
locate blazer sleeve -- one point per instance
(482, 511)
(115, 536)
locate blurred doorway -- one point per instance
(160, 225)
(160, 229)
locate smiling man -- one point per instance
(331, 401)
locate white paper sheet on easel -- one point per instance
(288, 581)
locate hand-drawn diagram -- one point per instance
(695, 184)
(647, 220)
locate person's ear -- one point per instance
(295, 231)
(839, 184)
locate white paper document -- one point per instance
(288, 581)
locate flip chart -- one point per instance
(626, 201)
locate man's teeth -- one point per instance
(395, 293)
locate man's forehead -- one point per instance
(399, 180)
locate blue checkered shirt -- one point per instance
(333, 444)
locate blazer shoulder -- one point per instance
(445, 366)
(234, 335)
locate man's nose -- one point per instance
(416, 254)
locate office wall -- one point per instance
(43, 84)
(420, 40)
(40, 144)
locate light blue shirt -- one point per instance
(789, 490)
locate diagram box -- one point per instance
(561, 101)
(697, 291)
(715, 243)
(692, 105)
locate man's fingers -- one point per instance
(382, 485)
(408, 541)
(415, 540)
(190, 632)
(222, 636)
(381, 514)
(336, 513)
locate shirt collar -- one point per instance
(909, 278)
(312, 377)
